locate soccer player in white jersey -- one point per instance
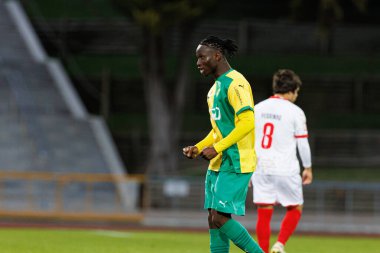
(280, 130)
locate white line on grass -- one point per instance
(109, 233)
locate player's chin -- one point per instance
(204, 72)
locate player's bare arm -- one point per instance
(307, 176)
(190, 152)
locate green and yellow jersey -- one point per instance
(230, 103)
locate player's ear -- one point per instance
(218, 55)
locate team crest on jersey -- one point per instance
(215, 113)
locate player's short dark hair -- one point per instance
(285, 80)
(225, 46)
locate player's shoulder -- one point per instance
(286, 105)
(296, 108)
(262, 103)
(296, 111)
(262, 106)
(237, 78)
(270, 102)
(234, 74)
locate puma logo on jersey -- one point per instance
(215, 113)
(223, 203)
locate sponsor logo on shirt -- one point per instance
(238, 95)
(215, 113)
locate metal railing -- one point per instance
(94, 197)
(343, 197)
(346, 147)
(187, 193)
(77, 196)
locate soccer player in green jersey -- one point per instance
(229, 146)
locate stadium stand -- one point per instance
(44, 128)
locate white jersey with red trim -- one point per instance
(278, 124)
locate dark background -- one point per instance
(99, 48)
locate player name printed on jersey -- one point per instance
(278, 125)
(271, 116)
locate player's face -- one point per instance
(294, 95)
(206, 60)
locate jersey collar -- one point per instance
(276, 96)
(224, 74)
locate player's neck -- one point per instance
(281, 96)
(285, 96)
(223, 68)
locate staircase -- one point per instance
(39, 133)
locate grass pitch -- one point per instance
(106, 241)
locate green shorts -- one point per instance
(226, 191)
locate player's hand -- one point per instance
(307, 176)
(190, 152)
(208, 153)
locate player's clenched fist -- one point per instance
(190, 152)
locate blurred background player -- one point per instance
(229, 146)
(280, 130)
